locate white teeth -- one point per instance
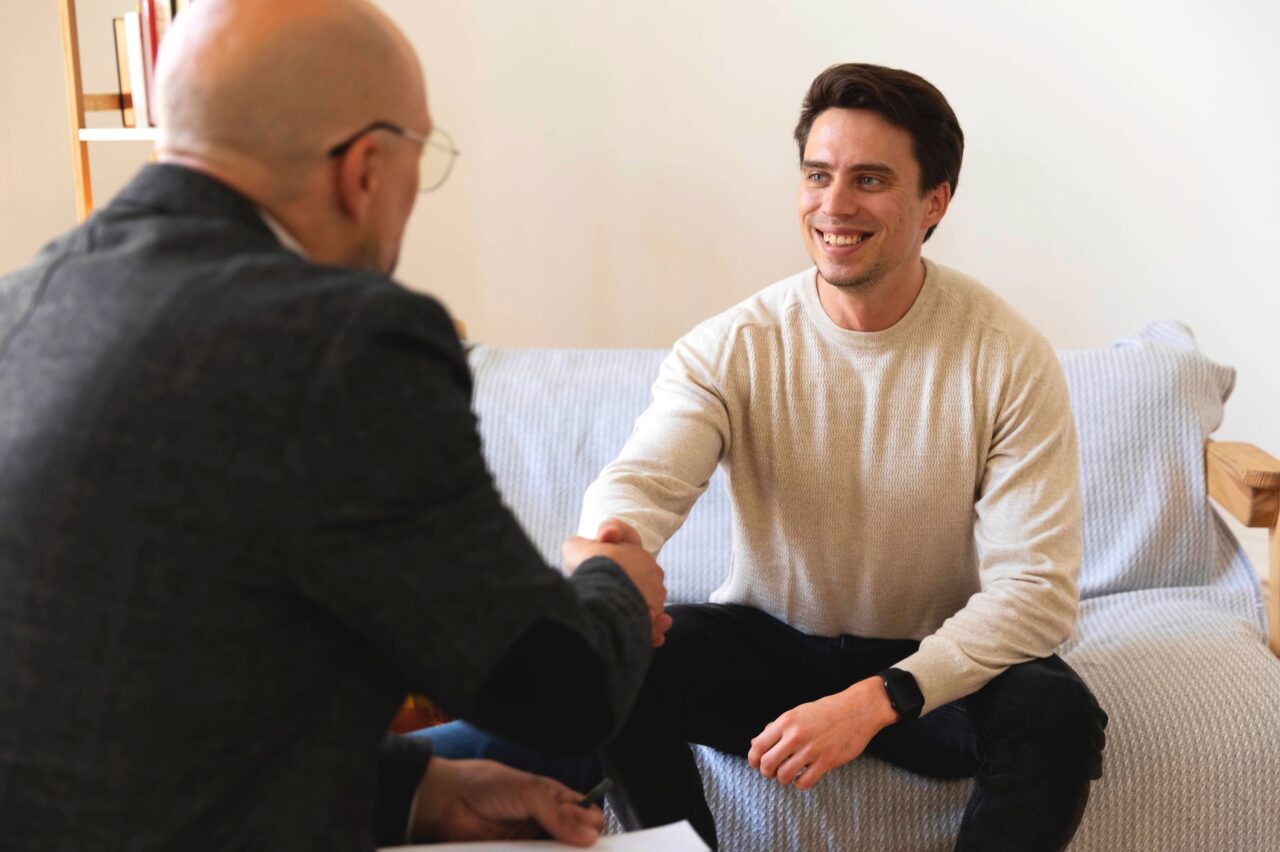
(843, 240)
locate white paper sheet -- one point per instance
(677, 837)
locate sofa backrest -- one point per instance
(551, 419)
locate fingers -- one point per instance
(812, 775)
(794, 767)
(554, 807)
(636, 562)
(661, 624)
(575, 551)
(576, 826)
(789, 762)
(771, 761)
(614, 531)
(763, 742)
(780, 751)
(645, 573)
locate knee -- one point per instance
(1074, 719)
(697, 634)
(1054, 721)
(666, 679)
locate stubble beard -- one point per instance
(864, 281)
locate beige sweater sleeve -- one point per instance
(672, 453)
(1027, 528)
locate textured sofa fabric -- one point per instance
(1144, 408)
(1170, 635)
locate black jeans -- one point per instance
(1032, 738)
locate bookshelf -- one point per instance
(80, 103)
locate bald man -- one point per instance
(243, 507)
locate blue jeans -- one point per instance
(1032, 738)
(460, 740)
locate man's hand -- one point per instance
(808, 741)
(620, 542)
(463, 800)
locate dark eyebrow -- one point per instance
(876, 168)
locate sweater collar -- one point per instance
(808, 285)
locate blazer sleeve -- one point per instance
(401, 764)
(402, 536)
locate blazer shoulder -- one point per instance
(381, 313)
(380, 322)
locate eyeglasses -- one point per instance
(435, 161)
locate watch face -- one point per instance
(904, 695)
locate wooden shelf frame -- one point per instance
(79, 104)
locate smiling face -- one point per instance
(861, 212)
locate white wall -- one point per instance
(37, 195)
(628, 168)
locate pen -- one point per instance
(596, 794)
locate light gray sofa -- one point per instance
(1172, 633)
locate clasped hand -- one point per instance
(806, 742)
(620, 542)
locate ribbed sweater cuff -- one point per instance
(939, 676)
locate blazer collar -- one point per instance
(168, 189)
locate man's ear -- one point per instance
(937, 200)
(358, 175)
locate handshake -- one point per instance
(619, 541)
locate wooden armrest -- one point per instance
(1245, 481)
(1247, 463)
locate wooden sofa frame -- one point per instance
(1245, 481)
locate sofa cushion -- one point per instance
(1144, 408)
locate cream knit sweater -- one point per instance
(919, 482)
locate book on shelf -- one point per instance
(150, 50)
(122, 73)
(138, 34)
(164, 19)
(137, 68)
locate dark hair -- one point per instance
(905, 100)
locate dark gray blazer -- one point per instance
(243, 510)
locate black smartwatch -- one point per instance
(904, 694)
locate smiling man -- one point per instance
(906, 541)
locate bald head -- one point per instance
(258, 92)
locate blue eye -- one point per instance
(869, 181)
(815, 177)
